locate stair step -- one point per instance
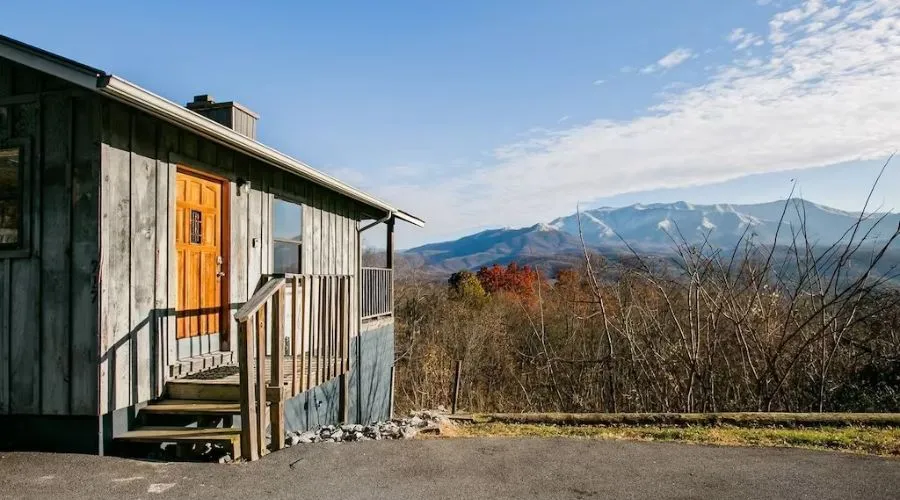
(192, 407)
(201, 362)
(202, 390)
(227, 436)
(211, 390)
(180, 434)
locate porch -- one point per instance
(293, 337)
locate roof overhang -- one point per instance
(412, 219)
(128, 93)
(48, 62)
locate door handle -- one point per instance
(219, 272)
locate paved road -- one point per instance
(466, 468)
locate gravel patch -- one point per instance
(418, 423)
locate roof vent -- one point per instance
(231, 114)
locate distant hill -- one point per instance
(499, 246)
(648, 229)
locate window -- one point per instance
(288, 231)
(11, 186)
(196, 227)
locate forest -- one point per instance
(794, 326)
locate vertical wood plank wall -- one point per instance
(102, 176)
(48, 297)
(329, 242)
(137, 294)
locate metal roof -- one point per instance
(124, 91)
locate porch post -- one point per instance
(390, 244)
(390, 265)
(390, 259)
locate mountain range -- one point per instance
(649, 228)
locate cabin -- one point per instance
(165, 277)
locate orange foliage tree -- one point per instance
(514, 279)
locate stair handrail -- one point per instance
(319, 332)
(259, 299)
(252, 354)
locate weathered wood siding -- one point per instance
(137, 290)
(48, 295)
(244, 123)
(330, 242)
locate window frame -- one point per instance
(296, 243)
(22, 248)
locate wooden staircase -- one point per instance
(192, 412)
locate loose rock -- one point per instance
(424, 422)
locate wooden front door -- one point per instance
(198, 242)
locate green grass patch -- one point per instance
(883, 441)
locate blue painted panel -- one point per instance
(371, 359)
(370, 382)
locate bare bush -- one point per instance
(791, 326)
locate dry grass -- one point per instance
(863, 440)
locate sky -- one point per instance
(474, 114)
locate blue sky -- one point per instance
(478, 114)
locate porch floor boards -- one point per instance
(310, 372)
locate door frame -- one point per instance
(225, 246)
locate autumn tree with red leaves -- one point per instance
(520, 281)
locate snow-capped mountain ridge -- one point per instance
(651, 227)
(724, 224)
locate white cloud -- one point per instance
(669, 60)
(743, 40)
(675, 58)
(599, 82)
(562, 119)
(814, 98)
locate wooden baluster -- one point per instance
(338, 319)
(261, 317)
(295, 311)
(305, 336)
(249, 415)
(313, 330)
(327, 312)
(332, 330)
(345, 382)
(323, 340)
(323, 323)
(329, 297)
(324, 314)
(276, 411)
(316, 333)
(345, 322)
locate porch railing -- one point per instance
(317, 315)
(376, 292)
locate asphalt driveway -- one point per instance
(466, 468)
